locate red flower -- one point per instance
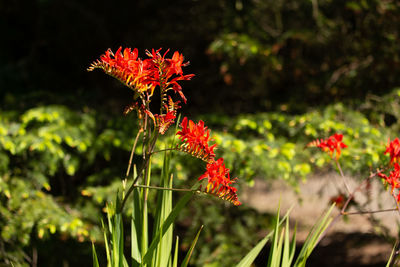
(144, 75)
(126, 67)
(196, 138)
(394, 177)
(168, 71)
(331, 144)
(165, 121)
(393, 148)
(340, 199)
(219, 182)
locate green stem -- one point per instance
(344, 179)
(133, 151)
(166, 188)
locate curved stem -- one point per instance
(133, 151)
(342, 211)
(163, 150)
(344, 179)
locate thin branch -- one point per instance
(166, 149)
(166, 188)
(367, 212)
(344, 179)
(133, 152)
(397, 203)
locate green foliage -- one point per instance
(273, 145)
(38, 149)
(158, 251)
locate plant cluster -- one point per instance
(195, 140)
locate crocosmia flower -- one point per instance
(168, 71)
(394, 177)
(330, 145)
(219, 182)
(128, 68)
(393, 148)
(196, 140)
(143, 76)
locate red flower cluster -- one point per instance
(127, 67)
(330, 145)
(143, 76)
(393, 148)
(393, 179)
(195, 140)
(219, 182)
(166, 72)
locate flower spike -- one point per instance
(127, 68)
(219, 182)
(330, 145)
(393, 148)
(196, 138)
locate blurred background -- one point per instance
(271, 76)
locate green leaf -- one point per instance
(274, 248)
(136, 227)
(164, 207)
(175, 262)
(251, 256)
(189, 253)
(170, 219)
(95, 260)
(313, 238)
(391, 260)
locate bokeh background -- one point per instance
(270, 77)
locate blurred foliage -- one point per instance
(254, 55)
(316, 51)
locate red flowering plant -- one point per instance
(143, 76)
(390, 174)
(158, 73)
(331, 145)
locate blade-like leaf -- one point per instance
(170, 219)
(145, 233)
(278, 254)
(175, 263)
(273, 251)
(292, 246)
(117, 236)
(286, 246)
(251, 256)
(136, 228)
(313, 238)
(189, 253)
(391, 260)
(162, 254)
(95, 260)
(108, 255)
